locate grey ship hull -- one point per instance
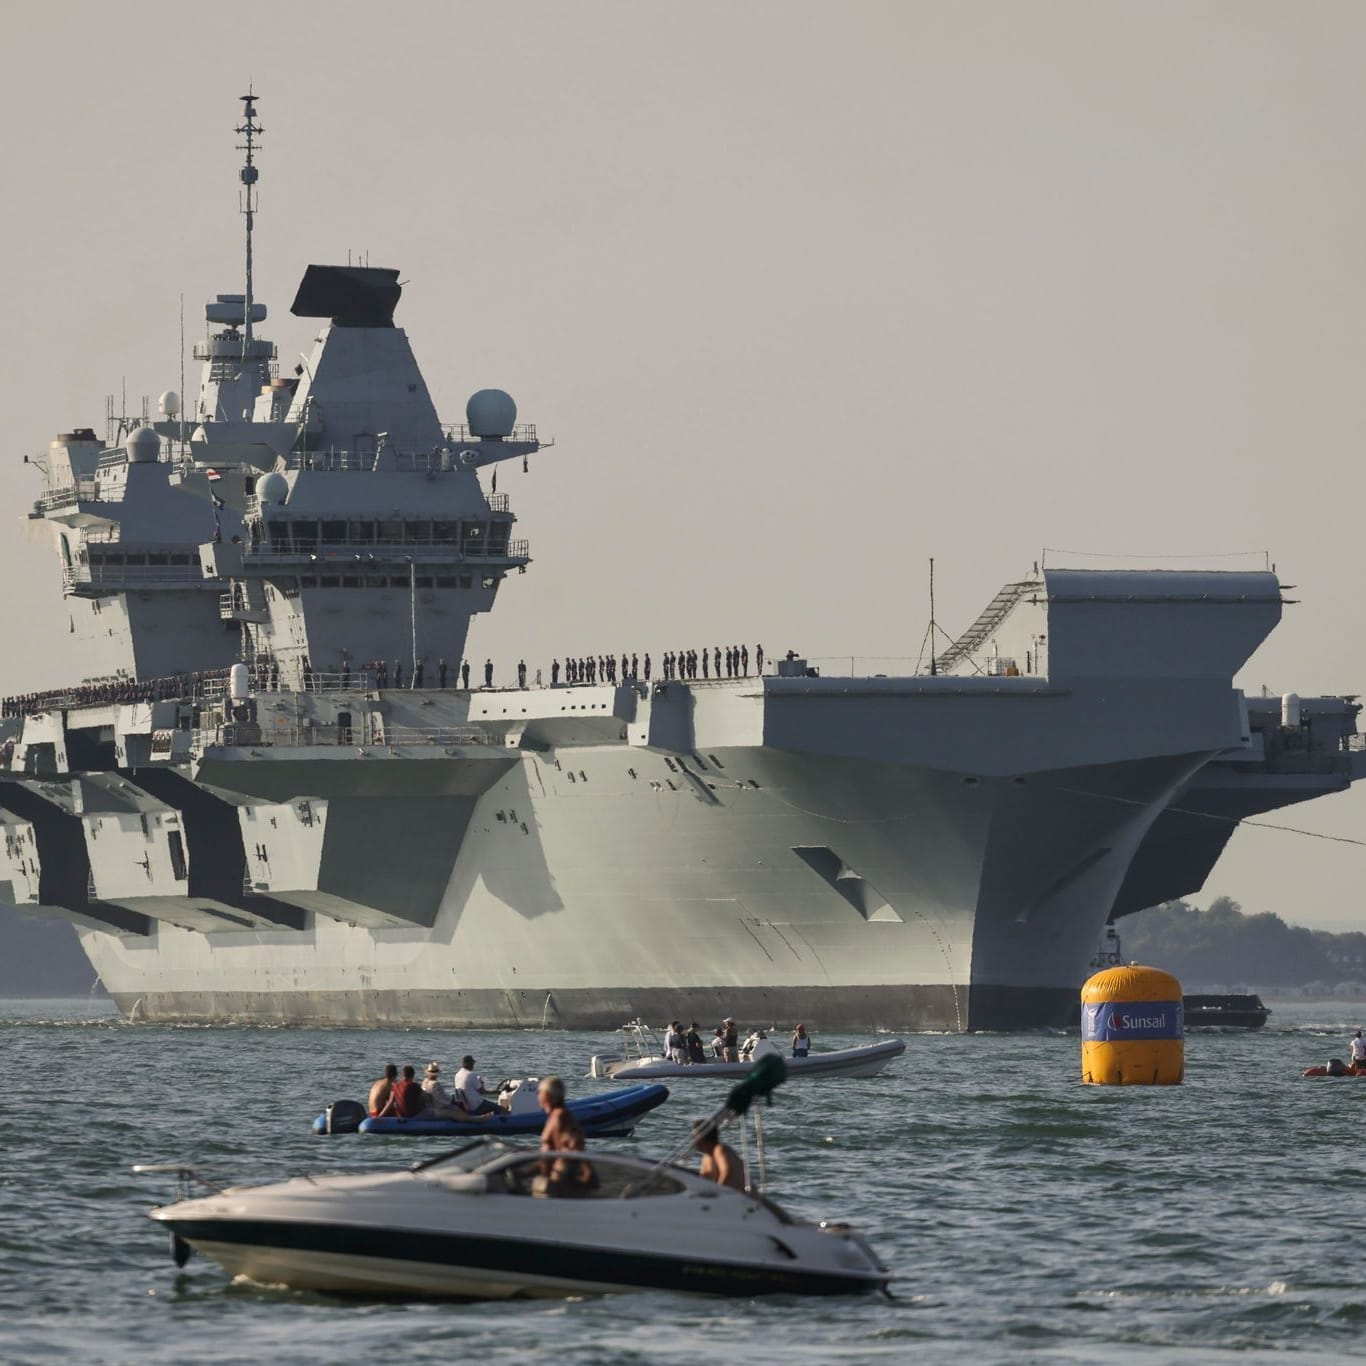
(666, 902)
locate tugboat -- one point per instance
(1200, 1012)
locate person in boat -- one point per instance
(470, 1090)
(381, 1092)
(408, 1098)
(1357, 1057)
(720, 1162)
(561, 1134)
(801, 1043)
(674, 1044)
(757, 1046)
(693, 1040)
(728, 1036)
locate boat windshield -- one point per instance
(569, 1176)
(470, 1157)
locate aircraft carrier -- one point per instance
(276, 796)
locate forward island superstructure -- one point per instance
(276, 798)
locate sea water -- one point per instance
(1023, 1214)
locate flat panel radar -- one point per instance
(352, 296)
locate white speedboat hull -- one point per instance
(496, 1234)
(867, 1060)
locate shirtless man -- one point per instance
(563, 1177)
(382, 1092)
(720, 1162)
(561, 1133)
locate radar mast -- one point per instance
(249, 130)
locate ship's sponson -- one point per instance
(916, 852)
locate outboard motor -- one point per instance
(343, 1117)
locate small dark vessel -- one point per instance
(1224, 1012)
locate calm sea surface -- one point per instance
(1023, 1214)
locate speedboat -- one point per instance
(644, 1058)
(613, 1113)
(490, 1221)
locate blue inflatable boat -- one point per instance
(608, 1114)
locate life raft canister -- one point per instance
(1132, 1030)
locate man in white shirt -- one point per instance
(1358, 1050)
(469, 1089)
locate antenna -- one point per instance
(934, 666)
(182, 370)
(250, 130)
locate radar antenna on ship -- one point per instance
(249, 130)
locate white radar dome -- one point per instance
(491, 412)
(142, 446)
(272, 488)
(169, 403)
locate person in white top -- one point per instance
(675, 1045)
(438, 1098)
(1358, 1050)
(469, 1089)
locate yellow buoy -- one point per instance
(1132, 1029)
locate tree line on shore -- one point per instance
(1223, 945)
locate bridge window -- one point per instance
(361, 533)
(445, 533)
(176, 847)
(334, 533)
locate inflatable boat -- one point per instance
(644, 1058)
(608, 1114)
(1336, 1068)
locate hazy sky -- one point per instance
(805, 293)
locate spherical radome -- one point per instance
(169, 403)
(142, 446)
(491, 412)
(272, 488)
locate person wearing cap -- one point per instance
(470, 1091)
(730, 1050)
(801, 1042)
(720, 1162)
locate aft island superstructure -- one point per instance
(275, 798)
